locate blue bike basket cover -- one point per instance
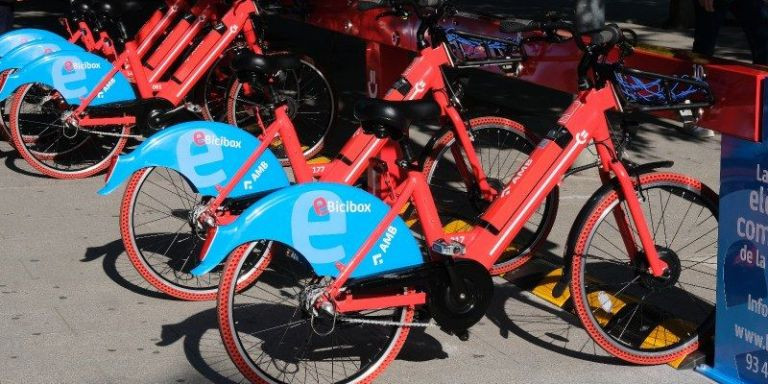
(469, 47)
(652, 91)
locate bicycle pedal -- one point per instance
(454, 248)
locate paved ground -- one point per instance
(72, 309)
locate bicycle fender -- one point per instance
(324, 223)
(208, 154)
(13, 39)
(74, 75)
(24, 54)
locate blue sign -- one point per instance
(741, 339)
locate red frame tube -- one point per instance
(354, 158)
(235, 20)
(178, 44)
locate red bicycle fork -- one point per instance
(583, 122)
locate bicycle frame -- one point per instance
(147, 35)
(583, 122)
(235, 21)
(355, 157)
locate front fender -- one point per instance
(13, 39)
(74, 75)
(24, 54)
(207, 154)
(326, 224)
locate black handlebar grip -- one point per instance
(365, 5)
(81, 7)
(511, 26)
(430, 3)
(610, 35)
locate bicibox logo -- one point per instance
(200, 138)
(348, 207)
(321, 207)
(70, 66)
(324, 207)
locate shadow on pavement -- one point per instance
(12, 157)
(120, 269)
(206, 353)
(546, 327)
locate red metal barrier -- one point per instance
(391, 42)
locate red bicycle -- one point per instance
(92, 26)
(642, 275)
(80, 135)
(159, 201)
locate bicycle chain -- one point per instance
(385, 323)
(194, 108)
(135, 137)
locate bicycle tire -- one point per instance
(658, 335)
(81, 155)
(144, 250)
(312, 140)
(236, 331)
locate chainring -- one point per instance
(456, 314)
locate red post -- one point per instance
(384, 64)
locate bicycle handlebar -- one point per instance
(608, 36)
(366, 5)
(510, 26)
(371, 4)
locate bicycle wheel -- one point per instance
(5, 107)
(50, 145)
(628, 312)
(35, 98)
(311, 106)
(502, 146)
(272, 338)
(5, 124)
(215, 87)
(156, 225)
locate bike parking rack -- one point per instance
(391, 40)
(740, 113)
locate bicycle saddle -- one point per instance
(248, 63)
(81, 6)
(116, 9)
(393, 118)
